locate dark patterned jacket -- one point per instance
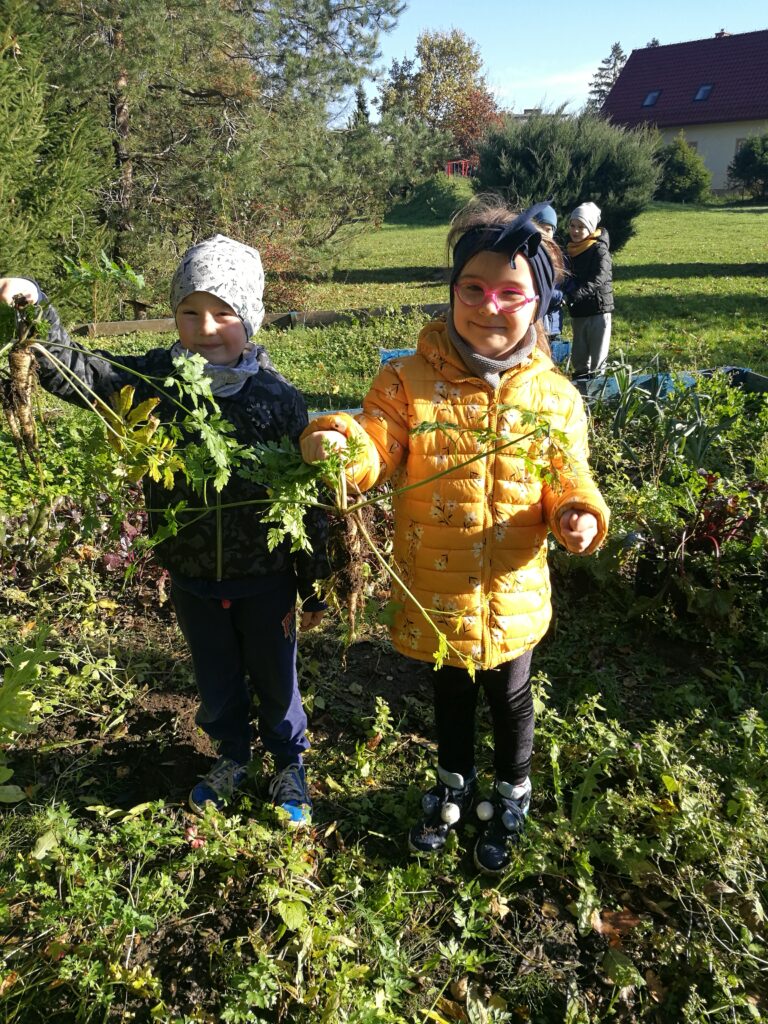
(225, 543)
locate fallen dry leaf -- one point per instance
(499, 907)
(614, 924)
(452, 1010)
(657, 991)
(8, 982)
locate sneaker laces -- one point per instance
(288, 786)
(221, 778)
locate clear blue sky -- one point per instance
(539, 54)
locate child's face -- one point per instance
(211, 328)
(546, 229)
(578, 230)
(485, 328)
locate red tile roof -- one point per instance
(735, 66)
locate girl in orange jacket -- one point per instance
(498, 460)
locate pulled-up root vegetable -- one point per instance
(16, 391)
(22, 366)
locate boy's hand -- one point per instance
(578, 529)
(311, 619)
(316, 447)
(10, 287)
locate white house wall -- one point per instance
(717, 143)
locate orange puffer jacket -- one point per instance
(471, 546)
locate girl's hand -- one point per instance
(311, 619)
(578, 529)
(316, 447)
(10, 287)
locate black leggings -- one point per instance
(508, 690)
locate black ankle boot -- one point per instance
(444, 806)
(504, 819)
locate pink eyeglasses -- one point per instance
(505, 298)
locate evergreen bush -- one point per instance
(684, 175)
(568, 160)
(749, 168)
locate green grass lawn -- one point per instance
(691, 287)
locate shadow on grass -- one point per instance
(391, 275)
(645, 308)
(689, 270)
(757, 206)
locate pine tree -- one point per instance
(361, 114)
(605, 78)
(217, 115)
(53, 158)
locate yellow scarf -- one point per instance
(577, 248)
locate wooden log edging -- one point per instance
(277, 321)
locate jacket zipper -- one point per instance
(490, 476)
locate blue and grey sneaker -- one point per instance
(288, 791)
(444, 806)
(218, 787)
(504, 819)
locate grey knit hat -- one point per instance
(230, 270)
(588, 214)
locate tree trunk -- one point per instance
(120, 111)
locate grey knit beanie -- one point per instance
(230, 270)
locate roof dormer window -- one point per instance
(702, 93)
(651, 98)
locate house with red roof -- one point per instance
(713, 90)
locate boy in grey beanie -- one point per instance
(235, 598)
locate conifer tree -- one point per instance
(53, 158)
(605, 78)
(217, 114)
(569, 159)
(684, 175)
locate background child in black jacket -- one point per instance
(589, 293)
(234, 598)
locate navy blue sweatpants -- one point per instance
(251, 641)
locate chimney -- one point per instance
(721, 34)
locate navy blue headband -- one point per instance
(520, 235)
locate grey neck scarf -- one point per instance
(228, 380)
(490, 370)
